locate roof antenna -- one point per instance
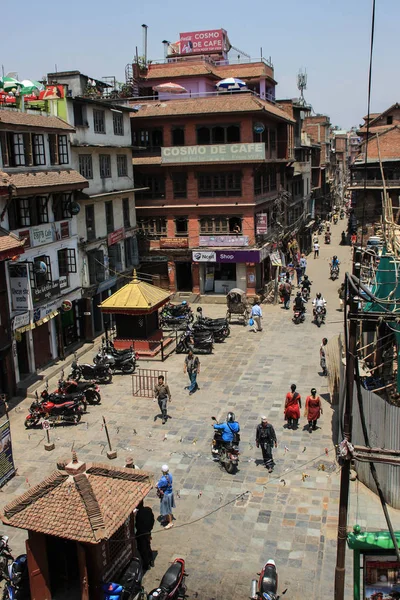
(302, 85)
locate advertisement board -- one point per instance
(42, 234)
(175, 242)
(7, 468)
(116, 236)
(223, 240)
(381, 577)
(213, 153)
(194, 42)
(261, 224)
(46, 291)
(200, 256)
(19, 286)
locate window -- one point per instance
(118, 122)
(214, 225)
(18, 150)
(25, 212)
(211, 185)
(38, 149)
(109, 217)
(181, 226)
(218, 134)
(99, 123)
(155, 183)
(66, 261)
(105, 165)
(63, 149)
(179, 184)
(178, 136)
(61, 209)
(96, 266)
(125, 212)
(41, 275)
(122, 165)
(42, 209)
(86, 166)
(156, 227)
(90, 225)
(114, 258)
(148, 138)
(264, 181)
(80, 115)
(389, 120)
(130, 255)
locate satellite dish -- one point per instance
(40, 267)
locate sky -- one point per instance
(329, 38)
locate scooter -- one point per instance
(129, 586)
(334, 273)
(70, 412)
(15, 573)
(200, 342)
(172, 585)
(319, 315)
(266, 587)
(298, 316)
(227, 453)
(126, 362)
(89, 388)
(100, 372)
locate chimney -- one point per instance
(75, 466)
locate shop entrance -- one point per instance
(97, 320)
(41, 345)
(22, 355)
(68, 322)
(184, 276)
(220, 278)
(63, 569)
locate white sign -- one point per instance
(43, 234)
(198, 256)
(213, 153)
(63, 282)
(19, 286)
(20, 320)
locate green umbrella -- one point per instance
(30, 86)
(9, 83)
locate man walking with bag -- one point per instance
(192, 368)
(266, 438)
(256, 315)
(163, 395)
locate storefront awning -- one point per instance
(31, 326)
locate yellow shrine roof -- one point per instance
(136, 295)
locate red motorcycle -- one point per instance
(89, 388)
(266, 587)
(69, 411)
(172, 585)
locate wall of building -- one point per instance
(87, 135)
(98, 185)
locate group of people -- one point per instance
(312, 409)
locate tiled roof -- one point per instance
(385, 112)
(10, 244)
(376, 129)
(223, 103)
(183, 69)
(87, 507)
(371, 116)
(4, 182)
(23, 119)
(44, 179)
(389, 146)
(243, 71)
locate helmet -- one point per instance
(298, 294)
(199, 309)
(335, 257)
(230, 417)
(319, 295)
(184, 302)
(305, 277)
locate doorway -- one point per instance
(63, 568)
(184, 276)
(22, 355)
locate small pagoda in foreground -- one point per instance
(135, 309)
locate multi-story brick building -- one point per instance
(317, 127)
(215, 168)
(340, 162)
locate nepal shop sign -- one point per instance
(227, 256)
(213, 153)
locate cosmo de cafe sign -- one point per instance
(213, 153)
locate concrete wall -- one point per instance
(86, 135)
(97, 185)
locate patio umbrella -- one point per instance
(9, 83)
(231, 83)
(170, 88)
(29, 86)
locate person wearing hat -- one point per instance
(266, 438)
(166, 495)
(313, 409)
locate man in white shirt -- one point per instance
(256, 315)
(316, 249)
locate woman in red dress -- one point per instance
(292, 407)
(313, 409)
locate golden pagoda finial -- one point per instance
(135, 277)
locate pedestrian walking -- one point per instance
(166, 495)
(322, 356)
(313, 409)
(192, 368)
(286, 292)
(303, 264)
(292, 407)
(144, 522)
(266, 438)
(163, 395)
(256, 315)
(316, 249)
(299, 274)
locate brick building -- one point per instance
(317, 127)
(215, 168)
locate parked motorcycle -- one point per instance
(226, 452)
(200, 342)
(266, 588)
(69, 411)
(125, 362)
(298, 316)
(334, 273)
(100, 372)
(319, 315)
(89, 388)
(129, 586)
(15, 573)
(176, 315)
(60, 398)
(219, 333)
(172, 585)
(109, 348)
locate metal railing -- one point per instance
(376, 183)
(218, 63)
(189, 94)
(145, 380)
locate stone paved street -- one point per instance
(290, 516)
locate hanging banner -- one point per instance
(261, 224)
(7, 468)
(19, 286)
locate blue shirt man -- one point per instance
(335, 261)
(256, 311)
(228, 429)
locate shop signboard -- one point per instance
(223, 240)
(194, 42)
(200, 256)
(63, 280)
(20, 287)
(20, 320)
(116, 236)
(213, 153)
(46, 291)
(7, 468)
(261, 224)
(238, 256)
(42, 234)
(52, 92)
(176, 242)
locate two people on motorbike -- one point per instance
(230, 430)
(299, 303)
(319, 302)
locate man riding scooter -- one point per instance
(229, 430)
(335, 264)
(319, 302)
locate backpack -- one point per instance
(236, 434)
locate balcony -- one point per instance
(302, 167)
(374, 184)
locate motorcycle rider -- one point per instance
(335, 262)
(319, 300)
(229, 430)
(306, 283)
(298, 303)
